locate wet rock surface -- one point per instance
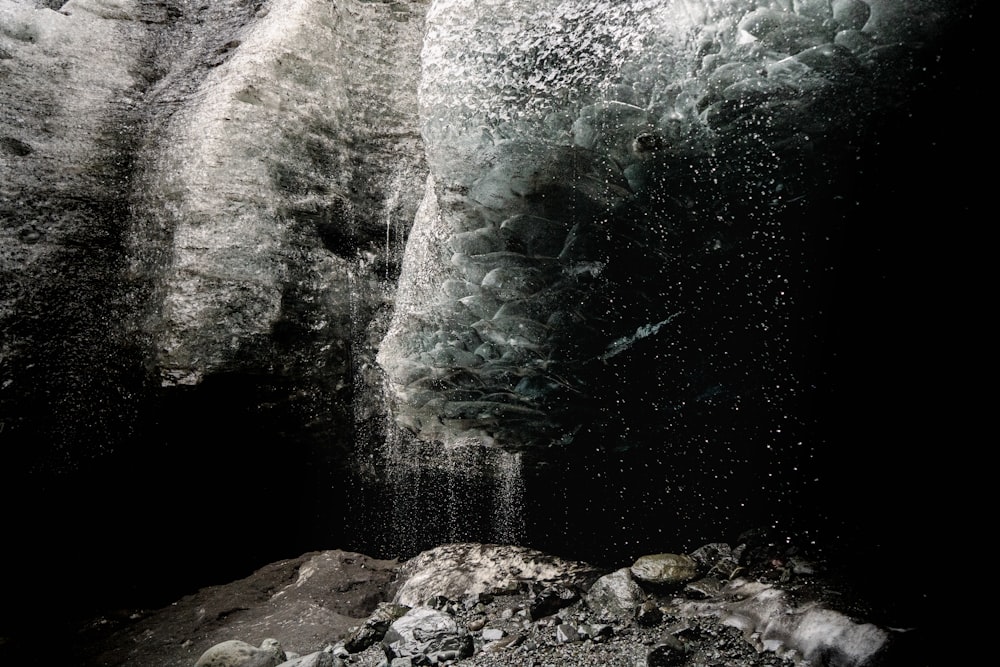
(303, 603)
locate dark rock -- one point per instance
(717, 559)
(665, 656)
(649, 614)
(598, 632)
(476, 599)
(375, 626)
(551, 599)
(14, 147)
(504, 643)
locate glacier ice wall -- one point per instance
(624, 203)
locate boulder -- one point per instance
(664, 569)
(454, 570)
(615, 596)
(236, 653)
(375, 627)
(426, 632)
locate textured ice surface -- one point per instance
(806, 634)
(610, 174)
(285, 158)
(605, 174)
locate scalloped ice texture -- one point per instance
(584, 157)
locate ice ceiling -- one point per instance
(625, 204)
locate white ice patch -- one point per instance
(804, 634)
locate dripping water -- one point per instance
(395, 215)
(436, 493)
(508, 512)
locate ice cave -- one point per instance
(601, 279)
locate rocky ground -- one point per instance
(745, 606)
(527, 643)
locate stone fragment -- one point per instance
(492, 634)
(550, 600)
(664, 655)
(317, 659)
(615, 596)
(375, 627)
(476, 600)
(664, 569)
(423, 632)
(704, 587)
(567, 633)
(236, 653)
(716, 558)
(600, 632)
(648, 614)
(510, 641)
